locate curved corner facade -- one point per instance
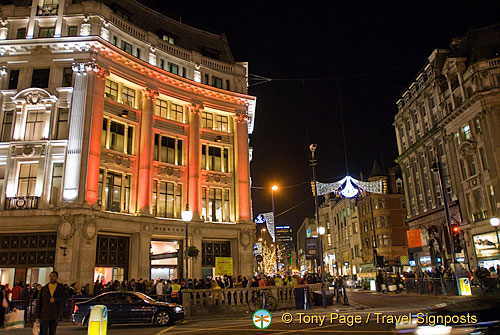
(109, 130)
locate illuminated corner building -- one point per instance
(450, 112)
(381, 223)
(284, 238)
(306, 257)
(113, 119)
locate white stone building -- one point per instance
(451, 112)
(113, 119)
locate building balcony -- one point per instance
(21, 203)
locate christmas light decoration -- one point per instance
(349, 187)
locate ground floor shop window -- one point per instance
(107, 274)
(164, 259)
(210, 250)
(26, 275)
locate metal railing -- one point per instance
(28, 202)
(436, 286)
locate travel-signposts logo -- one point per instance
(261, 319)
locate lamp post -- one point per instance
(275, 188)
(187, 216)
(495, 222)
(313, 164)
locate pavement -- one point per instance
(367, 313)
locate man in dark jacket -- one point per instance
(50, 304)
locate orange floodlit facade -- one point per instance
(110, 130)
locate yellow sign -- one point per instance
(223, 266)
(465, 286)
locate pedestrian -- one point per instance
(6, 303)
(50, 305)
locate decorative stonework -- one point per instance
(197, 107)
(467, 148)
(67, 227)
(242, 118)
(244, 238)
(28, 150)
(115, 159)
(168, 171)
(90, 227)
(151, 93)
(217, 178)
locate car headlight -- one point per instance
(178, 309)
(435, 330)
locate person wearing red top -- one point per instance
(16, 291)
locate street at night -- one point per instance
(201, 167)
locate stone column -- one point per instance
(75, 139)
(94, 157)
(243, 172)
(194, 161)
(146, 151)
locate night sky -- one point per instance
(361, 55)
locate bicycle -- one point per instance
(262, 301)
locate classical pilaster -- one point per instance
(194, 161)
(75, 139)
(94, 157)
(243, 172)
(146, 151)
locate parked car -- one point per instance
(130, 307)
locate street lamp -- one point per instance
(275, 188)
(313, 164)
(186, 216)
(495, 222)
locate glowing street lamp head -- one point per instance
(321, 230)
(274, 188)
(494, 222)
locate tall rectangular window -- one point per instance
(72, 31)
(13, 79)
(113, 192)
(226, 206)
(21, 33)
(154, 206)
(214, 158)
(27, 180)
(128, 96)
(227, 85)
(161, 108)
(472, 165)
(117, 136)
(173, 68)
(127, 47)
(34, 125)
(2, 177)
(226, 160)
(166, 151)
(40, 78)
(204, 203)
(177, 113)
(104, 133)
(222, 123)
(62, 124)
(207, 120)
(138, 53)
(7, 126)
(217, 82)
(56, 183)
(169, 200)
(99, 187)
(46, 32)
(67, 78)
(484, 160)
(215, 205)
(111, 90)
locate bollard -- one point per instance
(98, 320)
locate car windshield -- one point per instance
(145, 297)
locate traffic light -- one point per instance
(313, 188)
(455, 235)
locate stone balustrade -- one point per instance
(235, 300)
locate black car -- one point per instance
(130, 307)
